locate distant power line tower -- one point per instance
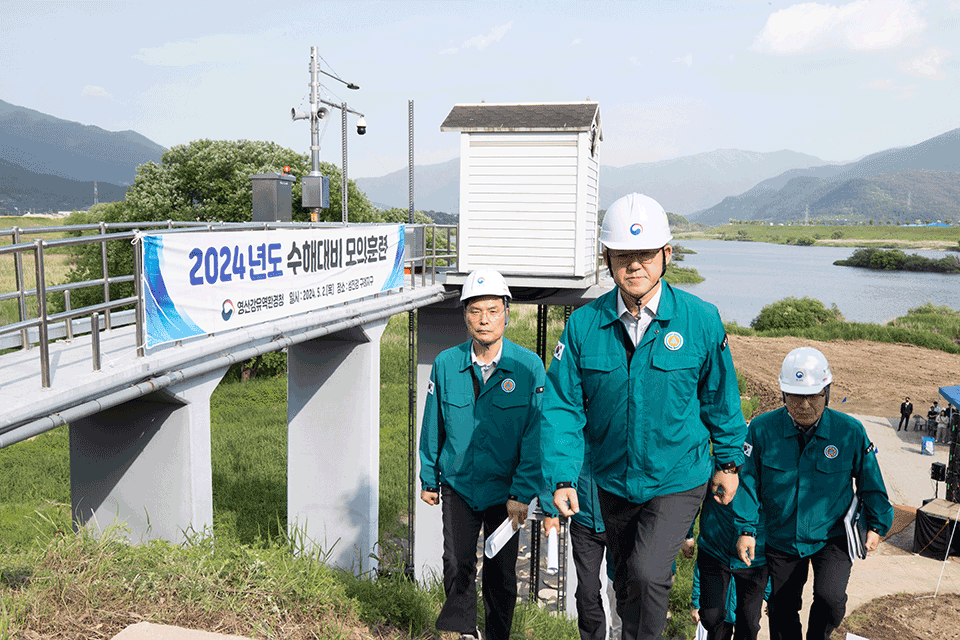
(96, 199)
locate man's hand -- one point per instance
(687, 547)
(746, 545)
(430, 497)
(550, 523)
(873, 540)
(695, 614)
(517, 512)
(723, 486)
(566, 501)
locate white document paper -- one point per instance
(553, 552)
(701, 632)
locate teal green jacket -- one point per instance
(719, 533)
(486, 448)
(649, 420)
(806, 493)
(589, 514)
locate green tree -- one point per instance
(210, 180)
(794, 313)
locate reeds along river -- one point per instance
(742, 277)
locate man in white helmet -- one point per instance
(800, 461)
(644, 376)
(480, 455)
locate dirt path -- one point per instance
(873, 377)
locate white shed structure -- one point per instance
(529, 186)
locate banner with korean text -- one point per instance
(199, 283)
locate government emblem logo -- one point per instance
(831, 451)
(673, 340)
(508, 385)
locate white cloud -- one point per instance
(687, 60)
(577, 42)
(207, 50)
(93, 91)
(863, 25)
(634, 60)
(927, 64)
(481, 42)
(879, 84)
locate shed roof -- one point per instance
(572, 116)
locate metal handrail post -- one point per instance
(138, 292)
(68, 308)
(95, 339)
(42, 314)
(104, 270)
(21, 288)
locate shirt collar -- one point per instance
(649, 308)
(493, 363)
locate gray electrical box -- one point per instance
(271, 197)
(316, 192)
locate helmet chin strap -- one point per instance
(638, 298)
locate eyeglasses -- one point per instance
(492, 316)
(629, 257)
(797, 397)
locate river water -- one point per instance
(742, 277)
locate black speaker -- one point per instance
(938, 471)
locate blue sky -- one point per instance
(837, 80)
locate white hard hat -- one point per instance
(484, 282)
(635, 221)
(805, 372)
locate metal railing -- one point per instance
(427, 249)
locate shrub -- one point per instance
(805, 241)
(794, 313)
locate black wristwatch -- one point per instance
(432, 489)
(730, 467)
(748, 533)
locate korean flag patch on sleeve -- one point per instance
(558, 352)
(430, 387)
(747, 449)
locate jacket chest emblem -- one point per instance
(831, 451)
(508, 385)
(673, 341)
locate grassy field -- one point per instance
(832, 235)
(56, 264)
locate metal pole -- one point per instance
(344, 188)
(106, 274)
(314, 124)
(21, 289)
(138, 292)
(411, 389)
(42, 313)
(95, 339)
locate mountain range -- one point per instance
(48, 164)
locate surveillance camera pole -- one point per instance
(344, 185)
(314, 123)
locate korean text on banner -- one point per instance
(199, 283)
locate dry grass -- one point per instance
(56, 265)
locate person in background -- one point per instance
(943, 428)
(800, 461)
(719, 568)
(589, 544)
(643, 374)
(906, 408)
(480, 455)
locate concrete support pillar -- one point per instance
(333, 444)
(145, 464)
(438, 328)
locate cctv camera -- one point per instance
(361, 126)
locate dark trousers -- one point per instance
(461, 529)
(644, 539)
(904, 422)
(788, 574)
(750, 584)
(588, 550)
